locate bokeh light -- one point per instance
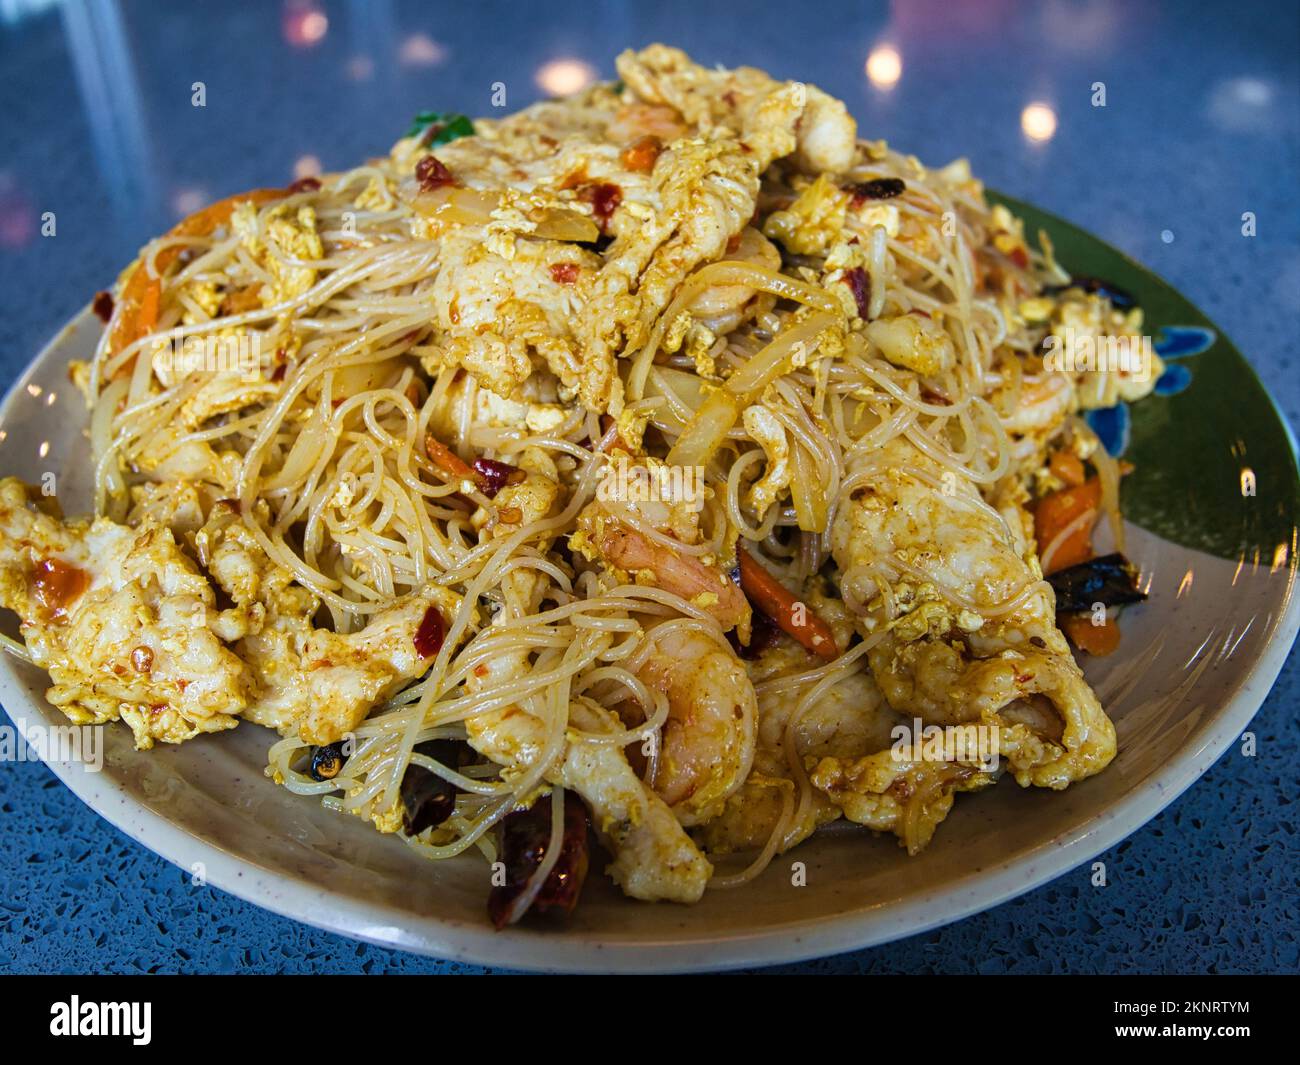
(1038, 122)
(360, 68)
(564, 77)
(188, 200)
(304, 25)
(884, 66)
(421, 50)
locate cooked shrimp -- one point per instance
(653, 857)
(720, 305)
(685, 575)
(612, 530)
(1045, 401)
(708, 742)
(827, 134)
(636, 120)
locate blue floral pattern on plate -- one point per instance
(1112, 424)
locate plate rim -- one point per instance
(867, 926)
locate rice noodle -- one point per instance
(325, 465)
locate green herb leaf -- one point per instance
(437, 127)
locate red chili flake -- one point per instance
(1020, 257)
(277, 375)
(304, 184)
(564, 273)
(431, 174)
(860, 285)
(885, 188)
(604, 199)
(733, 243)
(102, 305)
(492, 476)
(429, 636)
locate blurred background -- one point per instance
(1157, 126)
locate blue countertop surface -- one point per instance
(1201, 124)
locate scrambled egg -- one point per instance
(123, 622)
(285, 245)
(500, 312)
(946, 671)
(556, 244)
(128, 627)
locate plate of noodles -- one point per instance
(662, 494)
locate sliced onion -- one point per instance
(721, 410)
(457, 205)
(808, 492)
(726, 272)
(312, 441)
(778, 357)
(560, 224)
(709, 427)
(683, 392)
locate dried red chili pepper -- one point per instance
(430, 634)
(525, 837)
(431, 174)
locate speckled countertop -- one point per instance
(1201, 124)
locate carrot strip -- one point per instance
(141, 297)
(1098, 640)
(1057, 510)
(447, 460)
(793, 617)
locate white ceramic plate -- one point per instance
(1195, 664)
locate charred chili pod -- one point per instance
(492, 476)
(525, 837)
(1099, 286)
(1110, 580)
(763, 633)
(328, 760)
(885, 188)
(427, 799)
